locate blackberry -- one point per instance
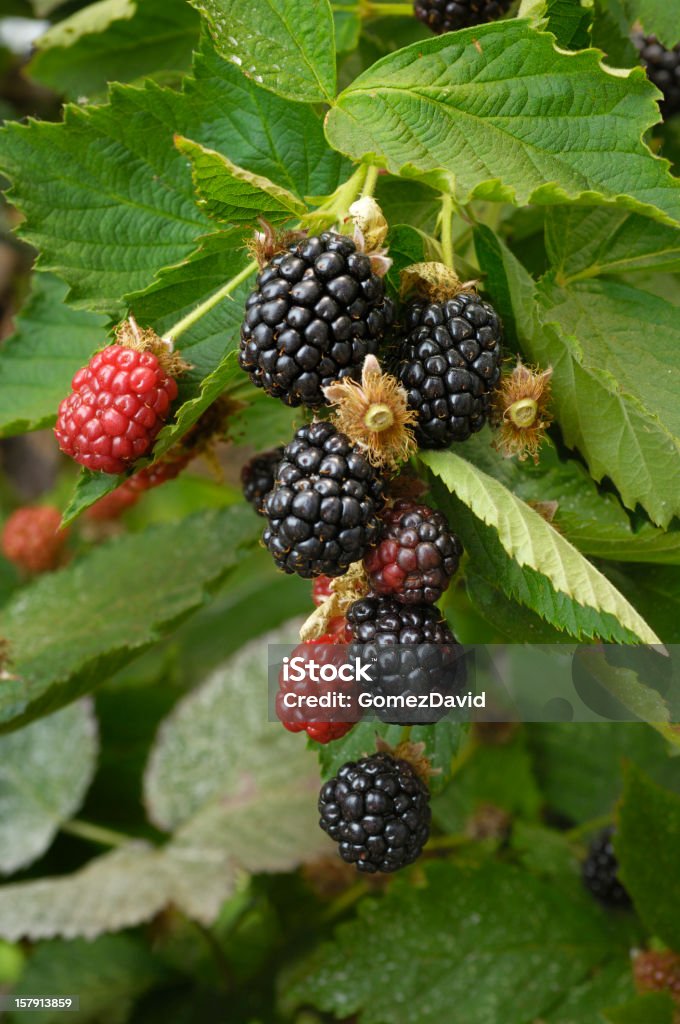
(449, 363)
(323, 509)
(258, 475)
(378, 811)
(663, 69)
(449, 15)
(417, 554)
(412, 652)
(600, 871)
(317, 312)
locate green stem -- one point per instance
(594, 825)
(345, 900)
(446, 230)
(405, 734)
(95, 833)
(400, 10)
(200, 311)
(370, 182)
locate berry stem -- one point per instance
(95, 833)
(594, 825)
(336, 206)
(446, 230)
(401, 10)
(213, 300)
(371, 181)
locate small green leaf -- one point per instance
(282, 45)
(67, 633)
(490, 942)
(232, 195)
(653, 1008)
(584, 243)
(657, 18)
(38, 361)
(650, 816)
(474, 104)
(45, 771)
(90, 487)
(533, 543)
(115, 41)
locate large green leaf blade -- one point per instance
(45, 770)
(533, 543)
(474, 104)
(283, 45)
(69, 630)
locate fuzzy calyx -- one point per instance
(345, 590)
(268, 243)
(433, 281)
(374, 414)
(520, 411)
(130, 335)
(414, 753)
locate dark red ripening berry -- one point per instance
(32, 539)
(118, 404)
(326, 650)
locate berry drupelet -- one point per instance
(322, 513)
(412, 652)
(663, 69)
(118, 404)
(417, 554)
(450, 363)
(378, 811)
(318, 310)
(258, 476)
(449, 15)
(600, 871)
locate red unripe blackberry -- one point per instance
(318, 310)
(322, 513)
(663, 69)
(112, 505)
(600, 871)
(321, 589)
(258, 475)
(658, 971)
(32, 538)
(325, 650)
(412, 652)
(378, 811)
(450, 363)
(417, 554)
(118, 404)
(449, 15)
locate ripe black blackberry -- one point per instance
(663, 69)
(378, 811)
(317, 312)
(450, 363)
(600, 871)
(323, 509)
(449, 15)
(412, 653)
(258, 475)
(417, 554)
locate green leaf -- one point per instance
(653, 1008)
(568, 20)
(579, 764)
(69, 630)
(584, 1003)
(657, 18)
(45, 771)
(534, 544)
(655, 591)
(406, 245)
(230, 194)
(584, 243)
(347, 29)
(283, 45)
(90, 487)
(593, 336)
(108, 975)
(611, 33)
(38, 361)
(648, 812)
(474, 104)
(504, 959)
(115, 41)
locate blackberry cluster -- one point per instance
(449, 363)
(449, 15)
(378, 811)
(322, 513)
(663, 69)
(317, 312)
(417, 554)
(258, 476)
(600, 871)
(413, 653)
